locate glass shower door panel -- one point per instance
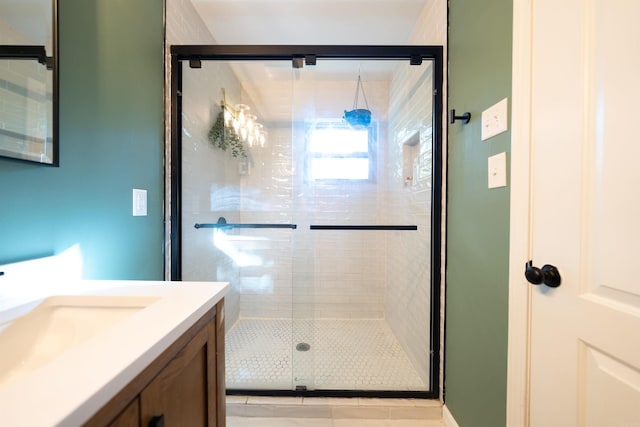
(362, 193)
(408, 201)
(237, 212)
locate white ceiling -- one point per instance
(273, 22)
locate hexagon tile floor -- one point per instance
(343, 354)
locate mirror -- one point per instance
(29, 81)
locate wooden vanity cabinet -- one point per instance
(184, 386)
(130, 417)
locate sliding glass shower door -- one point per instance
(309, 188)
(237, 211)
(362, 152)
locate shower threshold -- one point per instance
(337, 408)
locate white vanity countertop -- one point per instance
(68, 390)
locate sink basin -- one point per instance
(37, 333)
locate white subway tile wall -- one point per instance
(210, 181)
(326, 274)
(407, 298)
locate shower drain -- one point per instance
(303, 346)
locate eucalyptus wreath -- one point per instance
(225, 138)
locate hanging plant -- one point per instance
(225, 138)
(358, 117)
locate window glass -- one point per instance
(337, 151)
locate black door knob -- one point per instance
(548, 274)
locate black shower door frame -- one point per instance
(301, 55)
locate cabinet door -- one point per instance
(179, 392)
(130, 417)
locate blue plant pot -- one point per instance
(358, 118)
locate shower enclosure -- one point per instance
(327, 230)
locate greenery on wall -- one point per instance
(224, 138)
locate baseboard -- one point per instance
(447, 418)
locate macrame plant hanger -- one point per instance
(358, 117)
(359, 88)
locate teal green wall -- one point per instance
(477, 218)
(111, 140)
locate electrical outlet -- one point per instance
(494, 120)
(139, 202)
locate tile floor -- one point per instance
(344, 354)
(243, 411)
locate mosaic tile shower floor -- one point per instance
(344, 354)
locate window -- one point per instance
(336, 151)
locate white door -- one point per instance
(584, 153)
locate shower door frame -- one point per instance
(301, 55)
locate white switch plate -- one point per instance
(497, 167)
(139, 202)
(494, 120)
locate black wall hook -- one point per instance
(464, 117)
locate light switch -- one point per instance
(139, 202)
(497, 167)
(494, 120)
